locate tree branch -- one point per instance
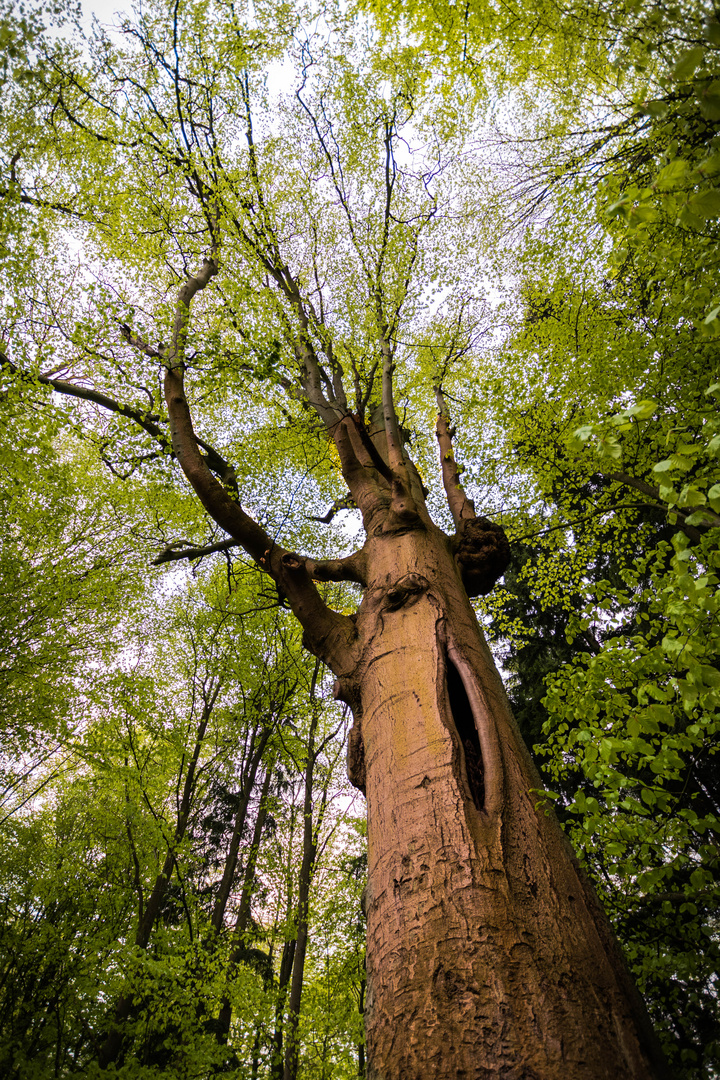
(461, 507)
(351, 568)
(171, 553)
(327, 633)
(359, 471)
(403, 511)
(147, 421)
(347, 502)
(693, 532)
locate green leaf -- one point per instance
(643, 410)
(671, 174)
(584, 433)
(706, 203)
(609, 447)
(663, 466)
(712, 30)
(710, 106)
(673, 646)
(690, 496)
(689, 61)
(710, 166)
(657, 109)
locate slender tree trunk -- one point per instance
(243, 915)
(286, 967)
(222, 1026)
(361, 1045)
(111, 1048)
(306, 872)
(231, 859)
(488, 955)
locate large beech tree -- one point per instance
(277, 263)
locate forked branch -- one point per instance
(181, 550)
(327, 633)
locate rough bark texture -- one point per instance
(488, 955)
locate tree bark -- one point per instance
(231, 859)
(488, 954)
(240, 948)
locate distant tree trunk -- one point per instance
(286, 967)
(257, 750)
(111, 1048)
(361, 1045)
(239, 947)
(306, 871)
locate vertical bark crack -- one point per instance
(464, 720)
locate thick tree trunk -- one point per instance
(488, 954)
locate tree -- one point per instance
(293, 272)
(617, 454)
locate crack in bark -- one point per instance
(464, 721)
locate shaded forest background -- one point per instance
(183, 857)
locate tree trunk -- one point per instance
(488, 954)
(240, 947)
(231, 859)
(306, 871)
(111, 1048)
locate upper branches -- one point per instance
(313, 231)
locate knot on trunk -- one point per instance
(406, 591)
(291, 561)
(482, 553)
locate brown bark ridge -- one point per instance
(488, 954)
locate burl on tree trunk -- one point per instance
(488, 954)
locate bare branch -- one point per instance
(172, 552)
(692, 531)
(402, 504)
(327, 633)
(147, 421)
(347, 502)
